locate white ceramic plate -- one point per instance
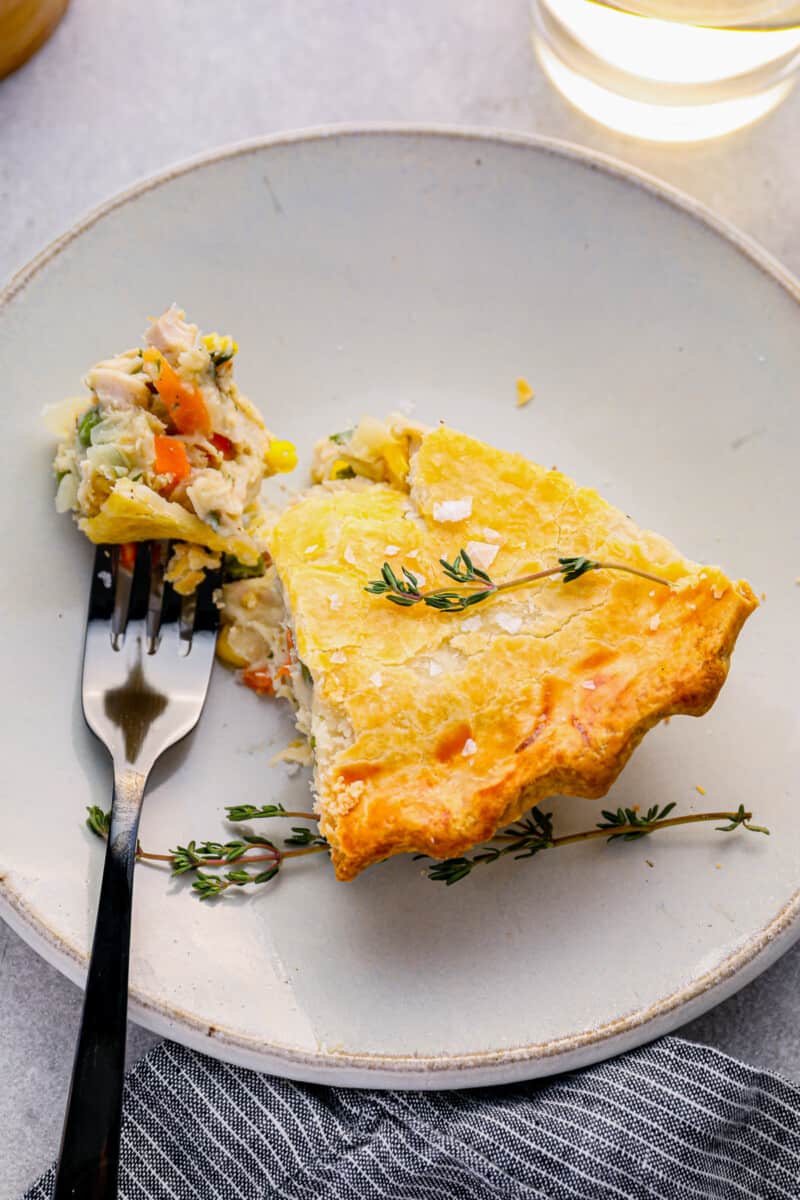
(360, 270)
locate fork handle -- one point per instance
(89, 1159)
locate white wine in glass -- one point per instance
(670, 70)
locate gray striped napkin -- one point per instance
(673, 1120)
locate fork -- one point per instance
(146, 665)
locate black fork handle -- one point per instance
(88, 1163)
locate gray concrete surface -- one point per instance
(123, 90)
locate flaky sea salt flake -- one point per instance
(482, 554)
(450, 511)
(509, 622)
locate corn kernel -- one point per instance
(341, 469)
(225, 650)
(220, 344)
(281, 456)
(396, 464)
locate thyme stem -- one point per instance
(277, 856)
(550, 571)
(305, 850)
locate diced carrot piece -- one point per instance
(223, 444)
(284, 671)
(185, 404)
(171, 458)
(259, 680)
(127, 555)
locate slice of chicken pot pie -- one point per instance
(165, 446)
(432, 728)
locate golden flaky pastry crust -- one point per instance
(135, 513)
(449, 726)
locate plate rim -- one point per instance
(446, 1070)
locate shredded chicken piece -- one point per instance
(117, 388)
(170, 333)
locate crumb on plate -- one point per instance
(525, 392)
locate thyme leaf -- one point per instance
(740, 817)
(635, 824)
(343, 436)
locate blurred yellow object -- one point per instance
(281, 456)
(524, 393)
(341, 469)
(25, 25)
(225, 650)
(396, 464)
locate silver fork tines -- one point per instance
(186, 622)
(123, 560)
(139, 637)
(159, 554)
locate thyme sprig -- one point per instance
(636, 825)
(535, 833)
(198, 857)
(406, 591)
(524, 839)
